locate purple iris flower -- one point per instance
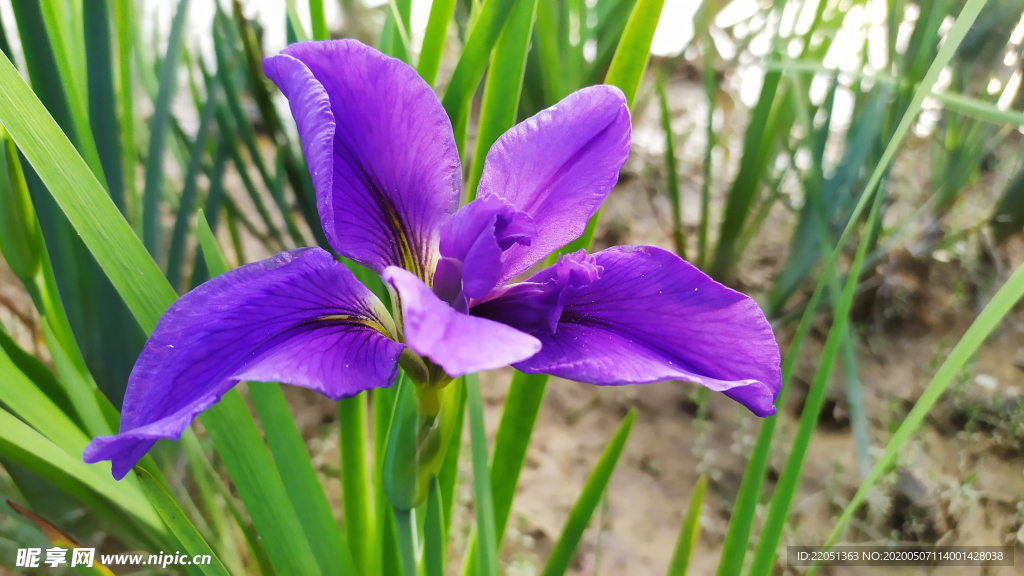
(384, 164)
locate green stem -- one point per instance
(358, 502)
(406, 523)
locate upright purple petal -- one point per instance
(380, 150)
(298, 317)
(558, 167)
(652, 316)
(458, 343)
(472, 242)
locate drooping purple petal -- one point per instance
(472, 242)
(458, 343)
(299, 318)
(558, 167)
(380, 150)
(652, 316)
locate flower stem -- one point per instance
(406, 522)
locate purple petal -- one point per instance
(458, 343)
(380, 150)
(298, 317)
(558, 167)
(652, 316)
(472, 243)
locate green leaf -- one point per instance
(124, 25)
(689, 530)
(69, 54)
(579, 516)
(259, 485)
(83, 481)
(186, 203)
(78, 384)
(102, 99)
(671, 172)
(208, 242)
(434, 39)
(405, 520)
(158, 124)
(487, 552)
(83, 200)
(300, 479)
(179, 524)
(356, 492)
(22, 397)
(631, 55)
(316, 15)
(434, 537)
(503, 87)
(757, 143)
(448, 476)
(471, 65)
(40, 375)
(625, 71)
(518, 417)
(293, 19)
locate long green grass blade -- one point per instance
(386, 554)
(102, 101)
(546, 37)
(83, 199)
(319, 23)
(69, 54)
(689, 530)
(78, 383)
(434, 537)
(518, 417)
(21, 396)
(259, 485)
(296, 23)
(26, 446)
(471, 65)
(158, 125)
(300, 479)
(406, 522)
(356, 492)
(590, 496)
(711, 91)
(625, 71)
(186, 203)
(734, 549)
(634, 48)
(40, 375)
(671, 171)
(503, 87)
(434, 39)
(994, 312)
(740, 199)
(179, 524)
(124, 25)
(487, 552)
